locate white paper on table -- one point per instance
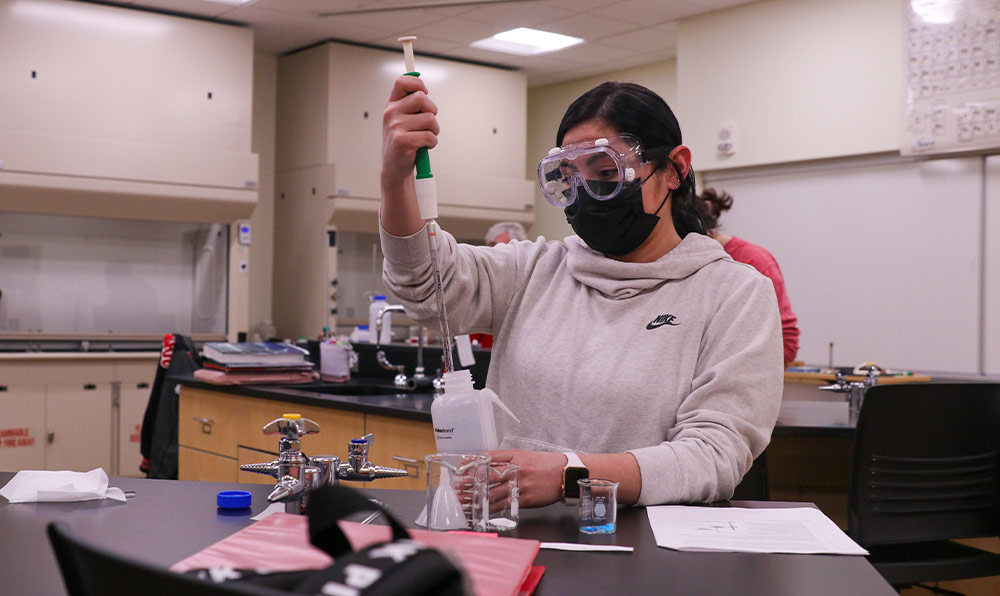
(803, 530)
(31, 486)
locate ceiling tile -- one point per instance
(423, 45)
(519, 14)
(653, 39)
(266, 20)
(710, 5)
(647, 12)
(577, 6)
(589, 27)
(199, 8)
(618, 32)
(403, 20)
(461, 31)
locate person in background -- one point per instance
(635, 348)
(714, 204)
(504, 232)
(499, 233)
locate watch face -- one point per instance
(572, 475)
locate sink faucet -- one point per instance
(854, 390)
(380, 355)
(298, 474)
(401, 380)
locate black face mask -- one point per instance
(615, 227)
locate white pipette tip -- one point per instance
(407, 41)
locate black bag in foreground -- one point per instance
(401, 566)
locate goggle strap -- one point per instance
(651, 154)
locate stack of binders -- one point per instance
(255, 362)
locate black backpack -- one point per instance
(401, 566)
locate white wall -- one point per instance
(801, 79)
(991, 266)
(546, 106)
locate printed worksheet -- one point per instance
(802, 530)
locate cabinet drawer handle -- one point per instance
(406, 459)
(142, 385)
(206, 424)
(3, 388)
(89, 387)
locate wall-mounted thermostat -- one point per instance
(244, 233)
(726, 144)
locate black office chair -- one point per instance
(89, 570)
(926, 471)
(754, 486)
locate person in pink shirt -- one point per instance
(740, 250)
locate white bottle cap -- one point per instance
(427, 198)
(458, 380)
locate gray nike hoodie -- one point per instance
(678, 362)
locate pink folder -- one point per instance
(280, 542)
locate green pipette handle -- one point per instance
(423, 157)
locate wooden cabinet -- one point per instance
(78, 424)
(73, 411)
(337, 427)
(195, 464)
(403, 444)
(22, 426)
(227, 428)
(207, 421)
(134, 382)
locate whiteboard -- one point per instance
(882, 258)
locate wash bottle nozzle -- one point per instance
(426, 186)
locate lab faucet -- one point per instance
(854, 390)
(298, 474)
(419, 377)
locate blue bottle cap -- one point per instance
(379, 297)
(233, 499)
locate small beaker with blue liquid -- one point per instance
(598, 505)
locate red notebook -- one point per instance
(280, 542)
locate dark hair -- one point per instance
(632, 108)
(711, 206)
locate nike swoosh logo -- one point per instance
(662, 320)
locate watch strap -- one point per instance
(573, 460)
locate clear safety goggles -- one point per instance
(602, 168)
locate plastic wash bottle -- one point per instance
(463, 417)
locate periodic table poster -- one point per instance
(952, 76)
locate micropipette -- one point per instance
(426, 188)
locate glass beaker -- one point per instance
(598, 505)
(456, 491)
(502, 497)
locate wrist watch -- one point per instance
(573, 471)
